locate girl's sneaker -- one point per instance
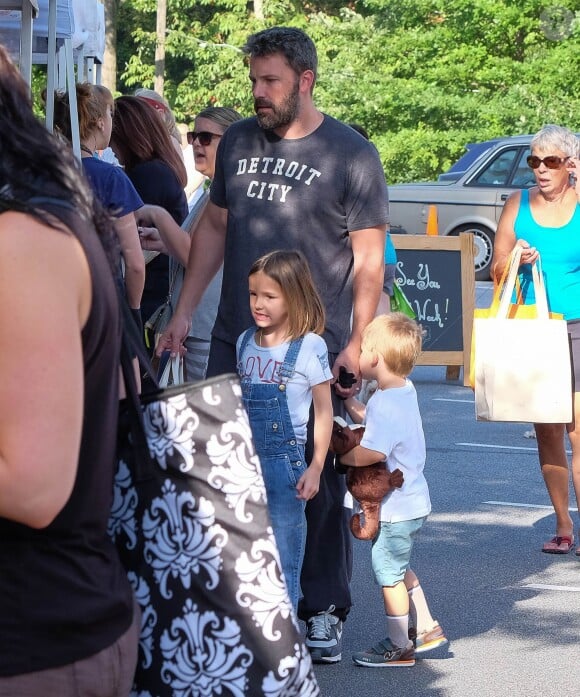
(384, 654)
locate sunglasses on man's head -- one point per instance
(204, 137)
(551, 162)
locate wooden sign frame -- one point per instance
(463, 244)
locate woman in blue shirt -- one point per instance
(545, 222)
(110, 184)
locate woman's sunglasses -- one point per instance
(551, 162)
(204, 137)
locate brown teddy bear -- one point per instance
(368, 485)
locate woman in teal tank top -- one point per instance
(545, 221)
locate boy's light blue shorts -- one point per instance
(391, 551)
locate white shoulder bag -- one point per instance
(522, 366)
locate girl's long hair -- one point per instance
(36, 166)
(290, 270)
(139, 135)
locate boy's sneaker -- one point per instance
(427, 640)
(324, 637)
(385, 655)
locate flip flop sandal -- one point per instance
(559, 545)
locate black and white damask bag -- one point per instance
(191, 524)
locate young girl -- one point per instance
(283, 367)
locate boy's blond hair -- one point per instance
(396, 339)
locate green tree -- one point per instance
(424, 77)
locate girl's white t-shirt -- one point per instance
(393, 426)
(261, 364)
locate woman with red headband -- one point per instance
(160, 105)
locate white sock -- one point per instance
(398, 628)
(419, 612)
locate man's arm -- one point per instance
(368, 248)
(206, 255)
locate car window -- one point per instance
(523, 176)
(474, 150)
(498, 171)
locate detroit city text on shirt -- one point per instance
(278, 167)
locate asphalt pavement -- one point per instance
(510, 612)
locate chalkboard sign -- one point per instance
(432, 283)
(437, 276)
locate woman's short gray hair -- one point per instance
(222, 116)
(556, 137)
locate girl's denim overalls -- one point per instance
(282, 460)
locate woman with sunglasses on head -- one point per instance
(144, 148)
(210, 124)
(545, 222)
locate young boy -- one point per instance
(394, 432)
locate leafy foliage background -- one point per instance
(424, 77)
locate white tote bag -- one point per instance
(522, 366)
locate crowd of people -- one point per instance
(275, 274)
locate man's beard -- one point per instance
(281, 115)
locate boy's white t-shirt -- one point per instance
(393, 426)
(262, 363)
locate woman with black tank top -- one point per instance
(67, 623)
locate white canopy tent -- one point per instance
(20, 42)
(55, 32)
(89, 39)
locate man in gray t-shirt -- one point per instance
(303, 193)
(294, 178)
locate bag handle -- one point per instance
(540, 290)
(503, 293)
(131, 347)
(504, 289)
(173, 369)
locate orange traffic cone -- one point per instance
(432, 225)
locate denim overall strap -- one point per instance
(287, 368)
(245, 338)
